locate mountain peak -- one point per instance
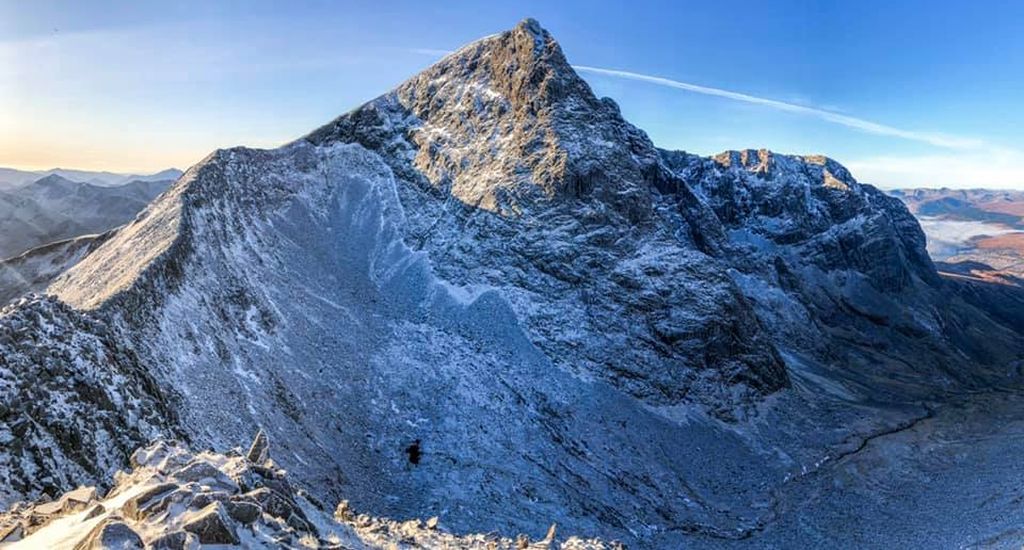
(531, 25)
(53, 179)
(503, 123)
(54, 184)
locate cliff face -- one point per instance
(839, 272)
(515, 176)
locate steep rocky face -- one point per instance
(606, 255)
(820, 253)
(813, 201)
(504, 122)
(74, 402)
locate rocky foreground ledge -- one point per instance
(176, 499)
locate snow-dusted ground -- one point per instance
(176, 499)
(950, 480)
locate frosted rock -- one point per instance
(212, 525)
(259, 451)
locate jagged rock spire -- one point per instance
(259, 451)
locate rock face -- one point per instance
(74, 402)
(486, 297)
(606, 255)
(820, 254)
(161, 505)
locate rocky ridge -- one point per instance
(819, 253)
(173, 498)
(74, 401)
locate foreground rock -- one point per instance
(176, 499)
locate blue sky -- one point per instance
(904, 93)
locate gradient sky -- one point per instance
(914, 94)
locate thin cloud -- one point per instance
(430, 51)
(938, 140)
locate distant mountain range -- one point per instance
(972, 232)
(11, 177)
(55, 208)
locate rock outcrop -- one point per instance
(838, 270)
(74, 401)
(175, 499)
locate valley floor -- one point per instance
(951, 480)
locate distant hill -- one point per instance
(55, 208)
(33, 270)
(11, 178)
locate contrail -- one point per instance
(938, 140)
(430, 51)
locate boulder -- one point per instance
(12, 533)
(273, 503)
(111, 534)
(97, 510)
(78, 500)
(243, 512)
(212, 525)
(141, 505)
(204, 473)
(205, 498)
(175, 540)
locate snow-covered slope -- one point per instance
(516, 176)
(487, 297)
(274, 288)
